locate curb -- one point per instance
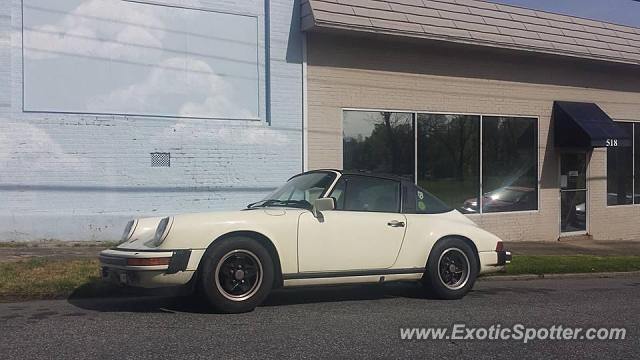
(561, 276)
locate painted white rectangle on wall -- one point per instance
(131, 58)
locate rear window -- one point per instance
(419, 201)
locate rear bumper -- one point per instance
(179, 271)
(493, 261)
(504, 257)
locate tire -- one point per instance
(452, 269)
(237, 275)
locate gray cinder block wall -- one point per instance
(81, 177)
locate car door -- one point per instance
(364, 232)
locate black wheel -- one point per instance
(237, 275)
(452, 269)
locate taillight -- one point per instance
(148, 261)
(499, 246)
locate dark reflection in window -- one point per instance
(637, 167)
(509, 164)
(573, 191)
(449, 158)
(381, 142)
(573, 171)
(620, 172)
(573, 211)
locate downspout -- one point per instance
(267, 60)
(305, 109)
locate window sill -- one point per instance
(505, 212)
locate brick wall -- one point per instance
(80, 177)
(346, 72)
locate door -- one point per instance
(573, 193)
(364, 232)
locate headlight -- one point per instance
(161, 232)
(128, 230)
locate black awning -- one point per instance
(585, 125)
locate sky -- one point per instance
(625, 12)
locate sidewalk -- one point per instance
(581, 246)
(90, 250)
(57, 250)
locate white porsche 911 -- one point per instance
(320, 227)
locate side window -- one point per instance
(363, 193)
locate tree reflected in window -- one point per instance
(449, 158)
(381, 142)
(450, 151)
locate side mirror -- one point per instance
(323, 204)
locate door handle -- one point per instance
(396, 223)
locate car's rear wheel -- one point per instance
(452, 269)
(237, 275)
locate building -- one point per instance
(460, 96)
(117, 109)
(525, 120)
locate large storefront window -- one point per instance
(620, 173)
(379, 141)
(509, 164)
(449, 158)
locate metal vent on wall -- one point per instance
(160, 159)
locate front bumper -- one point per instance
(180, 269)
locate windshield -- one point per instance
(300, 191)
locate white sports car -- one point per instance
(320, 227)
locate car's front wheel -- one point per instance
(452, 269)
(237, 275)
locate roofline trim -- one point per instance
(323, 25)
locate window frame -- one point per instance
(634, 128)
(481, 115)
(399, 188)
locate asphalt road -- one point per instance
(336, 322)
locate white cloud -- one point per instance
(211, 137)
(98, 28)
(206, 94)
(34, 151)
(216, 100)
(141, 60)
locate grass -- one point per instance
(50, 279)
(55, 279)
(14, 244)
(556, 264)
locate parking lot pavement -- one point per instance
(330, 322)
